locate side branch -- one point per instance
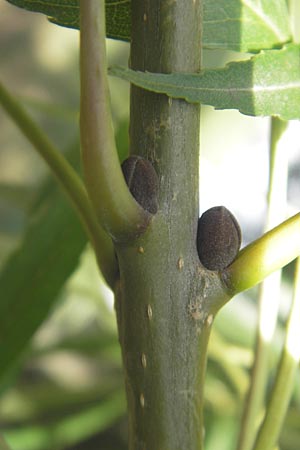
(115, 207)
(272, 251)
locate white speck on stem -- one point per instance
(149, 312)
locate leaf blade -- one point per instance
(267, 84)
(240, 25)
(245, 25)
(66, 13)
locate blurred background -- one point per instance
(67, 392)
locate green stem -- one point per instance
(166, 300)
(115, 207)
(281, 393)
(269, 293)
(273, 250)
(68, 179)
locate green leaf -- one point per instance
(66, 13)
(14, 204)
(242, 25)
(33, 276)
(267, 84)
(245, 25)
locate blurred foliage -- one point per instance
(41, 258)
(66, 391)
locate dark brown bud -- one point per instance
(142, 181)
(218, 238)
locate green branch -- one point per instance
(115, 207)
(272, 251)
(281, 393)
(68, 179)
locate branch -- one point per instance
(115, 207)
(69, 181)
(272, 251)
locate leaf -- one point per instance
(33, 276)
(66, 13)
(267, 84)
(245, 25)
(242, 25)
(14, 202)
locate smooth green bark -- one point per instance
(165, 300)
(164, 307)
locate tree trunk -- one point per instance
(164, 297)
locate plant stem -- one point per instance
(273, 250)
(115, 207)
(269, 293)
(281, 393)
(68, 179)
(165, 298)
